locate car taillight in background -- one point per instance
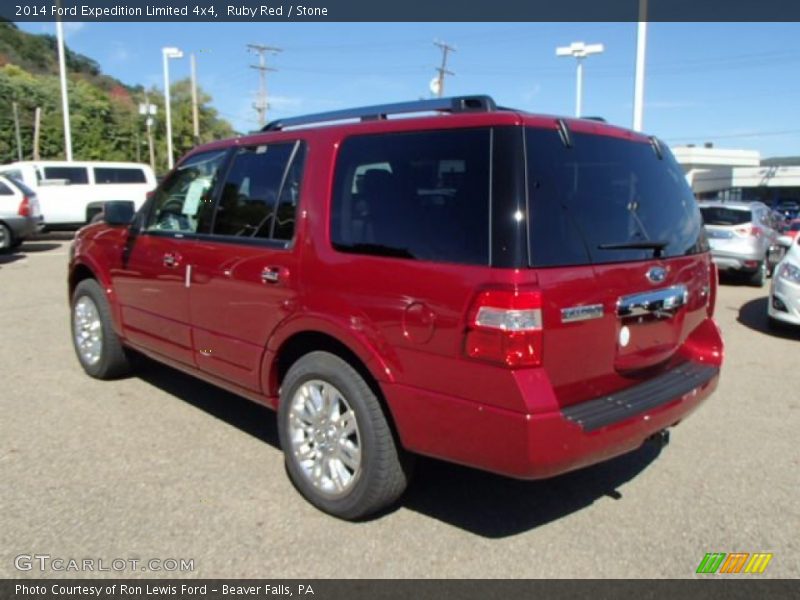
(749, 231)
(25, 207)
(505, 326)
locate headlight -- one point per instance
(789, 272)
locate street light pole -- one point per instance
(62, 71)
(167, 53)
(579, 51)
(638, 86)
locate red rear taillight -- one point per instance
(24, 209)
(506, 326)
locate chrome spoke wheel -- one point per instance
(325, 439)
(87, 330)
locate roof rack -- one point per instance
(456, 104)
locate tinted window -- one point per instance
(5, 190)
(247, 206)
(184, 201)
(283, 228)
(118, 175)
(73, 174)
(591, 202)
(720, 215)
(414, 195)
(20, 186)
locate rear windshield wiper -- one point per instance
(657, 246)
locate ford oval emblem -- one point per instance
(657, 274)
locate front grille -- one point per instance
(640, 398)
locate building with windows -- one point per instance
(737, 175)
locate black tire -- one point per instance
(6, 238)
(113, 361)
(384, 468)
(759, 278)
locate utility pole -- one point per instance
(438, 86)
(261, 104)
(195, 116)
(16, 131)
(37, 120)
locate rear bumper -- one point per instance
(24, 227)
(730, 261)
(540, 445)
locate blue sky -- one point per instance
(734, 84)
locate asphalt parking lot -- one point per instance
(161, 466)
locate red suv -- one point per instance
(523, 294)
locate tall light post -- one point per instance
(579, 51)
(167, 53)
(62, 73)
(638, 86)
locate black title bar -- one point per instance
(404, 10)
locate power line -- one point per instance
(261, 104)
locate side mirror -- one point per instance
(784, 241)
(118, 212)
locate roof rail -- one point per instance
(454, 104)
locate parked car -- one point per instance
(742, 237)
(790, 209)
(20, 216)
(70, 193)
(792, 229)
(784, 294)
(522, 294)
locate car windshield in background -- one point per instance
(605, 199)
(720, 215)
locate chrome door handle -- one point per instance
(271, 275)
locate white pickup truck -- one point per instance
(70, 193)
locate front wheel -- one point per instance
(6, 239)
(96, 343)
(339, 448)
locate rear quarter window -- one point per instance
(422, 195)
(595, 201)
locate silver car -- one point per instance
(742, 236)
(20, 216)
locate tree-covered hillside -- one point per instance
(105, 120)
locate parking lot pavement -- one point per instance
(162, 466)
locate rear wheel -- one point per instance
(760, 276)
(339, 448)
(6, 239)
(96, 343)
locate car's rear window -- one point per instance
(723, 215)
(603, 199)
(422, 195)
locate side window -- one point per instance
(5, 190)
(260, 192)
(107, 175)
(75, 175)
(184, 202)
(414, 195)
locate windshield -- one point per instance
(606, 199)
(721, 215)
